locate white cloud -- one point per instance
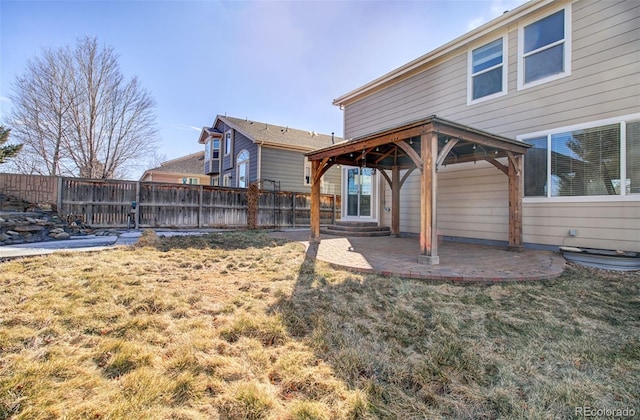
(186, 127)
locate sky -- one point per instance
(280, 62)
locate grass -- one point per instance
(241, 326)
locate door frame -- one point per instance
(345, 197)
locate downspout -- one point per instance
(259, 162)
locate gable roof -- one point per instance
(278, 136)
(428, 60)
(190, 164)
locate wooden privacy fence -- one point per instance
(109, 204)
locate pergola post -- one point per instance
(395, 200)
(428, 187)
(515, 202)
(315, 202)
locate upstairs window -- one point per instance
(544, 50)
(228, 140)
(487, 71)
(215, 148)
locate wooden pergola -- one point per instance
(425, 145)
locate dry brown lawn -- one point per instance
(241, 326)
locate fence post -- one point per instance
(200, 200)
(253, 197)
(333, 210)
(293, 209)
(59, 195)
(137, 213)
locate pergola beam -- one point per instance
(427, 159)
(428, 188)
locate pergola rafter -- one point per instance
(426, 145)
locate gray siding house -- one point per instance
(240, 151)
(562, 76)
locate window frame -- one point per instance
(521, 85)
(306, 165)
(214, 149)
(228, 147)
(239, 163)
(470, 74)
(226, 180)
(188, 180)
(623, 196)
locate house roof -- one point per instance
(279, 136)
(189, 164)
(428, 60)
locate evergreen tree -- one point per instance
(10, 150)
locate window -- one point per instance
(191, 181)
(632, 148)
(228, 140)
(215, 181)
(307, 172)
(487, 71)
(600, 159)
(544, 49)
(226, 180)
(535, 174)
(215, 149)
(242, 168)
(207, 149)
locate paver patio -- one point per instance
(459, 262)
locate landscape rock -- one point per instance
(22, 222)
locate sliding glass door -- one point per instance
(359, 192)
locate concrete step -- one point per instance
(328, 231)
(345, 223)
(346, 228)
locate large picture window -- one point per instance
(544, 49)
(598, 160)
(487, 70)
(243, 169)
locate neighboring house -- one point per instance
(240, 151)
(562, 76)
(183, 170)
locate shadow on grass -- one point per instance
(420, 350)
(231, 240)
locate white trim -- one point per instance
(505, 71)
(623, 158)
(230, 132)
(583, 199)
(259, 163)
(581, 126)
(374, 198)
(238, 164)
(622, 197)
(521, 85)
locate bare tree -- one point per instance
(39, 114)
(77, 115)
